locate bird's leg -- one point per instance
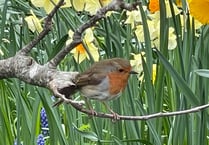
(115, 115)
(89, 106)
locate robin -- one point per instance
(104, 80)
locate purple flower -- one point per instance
(44, 123)
(40, 140)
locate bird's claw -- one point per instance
(93, 112)
(116, 116)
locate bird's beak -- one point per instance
(133, 72)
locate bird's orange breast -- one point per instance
(117, 82)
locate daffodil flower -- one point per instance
(133, 17)
(199, 10)
(154, 31)
(154, 72)
(48, 5)
(136, 62)
(34, 24)
(154, 7)
(79, 52)
(93, 5)
(168, 9)
(184, 18)
(78, 5)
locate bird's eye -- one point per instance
(121, 70)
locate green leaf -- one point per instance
(58, 47)
(178, 79)
(203, 72)
(87, 134)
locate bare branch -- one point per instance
(28, 70)
(47, 27)
(144, 117)
(115, 5)
(5, 69)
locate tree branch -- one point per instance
(115, 5)
(143, 117)
(47, 27)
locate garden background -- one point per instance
(166, 42)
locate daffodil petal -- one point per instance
(89, 35)
(168, 9)
(38, 3)
(33, 23)
(93, 5)
(94, 51)
(154, 72)
(79, 57)
(199, 10)
(79, 4)
(133, 16)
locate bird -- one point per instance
(103, 81)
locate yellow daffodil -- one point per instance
(78, 5)
(199, 10)
(184, 19)
(179, 2)
(136, 62)
(171, 39)
(154, 7)
(93, 5)
(168, 9)
(154, 72)
(79, 52)
(139, 33)
(154, 31)
(133, 17)
(197, 24)
(48, 5)
(33, 22)
(105, 2)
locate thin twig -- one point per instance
(143, 117)
(47, 27)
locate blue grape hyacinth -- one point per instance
(44, 123)
(40, 140)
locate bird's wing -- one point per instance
(89, 78)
